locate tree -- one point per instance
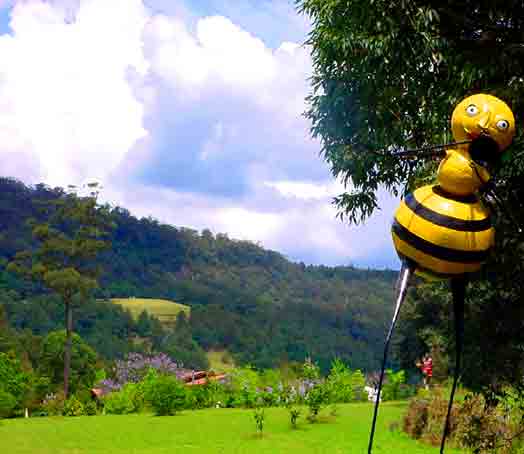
(387, 75)
(13, 382)
(83, 369)
(62, 259)
(143, 324)
(181, 345)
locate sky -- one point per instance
(187, 111)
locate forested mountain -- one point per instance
(252, 301)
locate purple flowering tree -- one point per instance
(135, 367)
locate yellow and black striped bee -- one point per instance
(444, 230)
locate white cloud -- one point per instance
(305, 190)
(221, 54)
(64, 91)
(91, 89)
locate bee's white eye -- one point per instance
(472, 110)
(502, 125)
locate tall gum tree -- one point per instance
(68, 236)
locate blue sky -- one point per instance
(188, 111)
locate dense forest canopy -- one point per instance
(244, 298)
(387, 75)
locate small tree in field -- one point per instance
(66, 244)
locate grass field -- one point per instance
(212, 431)
(165, 310)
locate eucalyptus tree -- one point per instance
(386, 77)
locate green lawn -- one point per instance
(228, 431)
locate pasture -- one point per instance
(213, 431)
(165, 310)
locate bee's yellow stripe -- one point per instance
(468, 209)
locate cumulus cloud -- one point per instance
(64, 92)
(231, 105)
(196, 120)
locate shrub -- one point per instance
(130, 399)
(340, 383)
(73, 407)
(416, 418)
(258, 415)
(268, 397)
(485, 429)
(208, 395)
(14, 381)
(358, 382)
(479, 428)
(243, 383)
(294, 414)
(53, 404)
(118, 403)
(7, 403)
(90, 408)
(166, 395)
(391, 389)
(316, 398)
(310, 370)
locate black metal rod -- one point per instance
(458, 288)
(404, 275)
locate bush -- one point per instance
(294, 414)
(7, 404)
(53, 405)
(243, 384)
(484, 429)
(358, 382)
(392, 388)
(340, 383)
(426, 415)
(130, 399)
(73, 407)
(206, 396)
(90, 408)
(416, 418)
(475, 426)
(259, 417)
(14, 381)
(166, 395)
(316, 398)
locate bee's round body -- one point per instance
(444, 235)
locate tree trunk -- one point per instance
(68, 345)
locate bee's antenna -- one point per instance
(423, 152)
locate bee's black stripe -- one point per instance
(470, 199)
(446, 221)
(439, 252)
(435, 274)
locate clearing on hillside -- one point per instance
(165, 310)
(220, 360)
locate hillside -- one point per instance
(251, 301)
